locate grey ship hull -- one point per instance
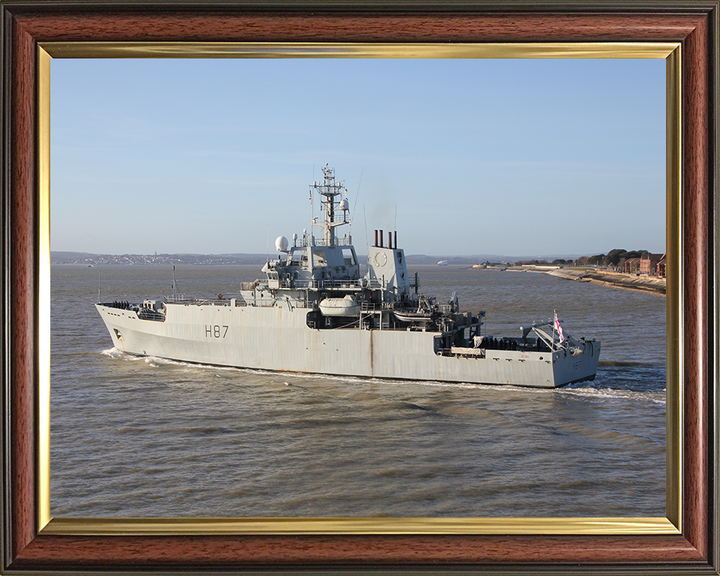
(315, 313)
(278, 338)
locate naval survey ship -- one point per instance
(313, 312)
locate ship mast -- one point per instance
(335, 209)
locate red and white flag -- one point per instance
(559, 328)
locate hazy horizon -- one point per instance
(360, 254)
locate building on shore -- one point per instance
(649, 263)
(632, 266)
(660, 267)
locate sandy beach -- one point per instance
(614, 279)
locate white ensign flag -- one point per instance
(559, 328)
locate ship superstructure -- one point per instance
(314, 312)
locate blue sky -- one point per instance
(509, 157)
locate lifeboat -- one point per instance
(347, 306)
(420, 317)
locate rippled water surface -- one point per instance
(148, 437)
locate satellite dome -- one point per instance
(344, 205)
(281, 244)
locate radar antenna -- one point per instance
(335, 209)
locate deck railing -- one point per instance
(312, 241)
(225, 300)
(347, 284)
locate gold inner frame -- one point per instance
(176, 526)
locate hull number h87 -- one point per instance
(215, 331)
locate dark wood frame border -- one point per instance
(692, 23)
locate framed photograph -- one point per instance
(684, 37)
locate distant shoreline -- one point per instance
(636, 283)
(643, 283)
(94, 259)
(648, 284)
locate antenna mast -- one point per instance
(356, 200)
(330, 205)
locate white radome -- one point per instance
(281, 244)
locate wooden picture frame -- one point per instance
(30, 544)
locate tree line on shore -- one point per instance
(616, 258)
(556, 262)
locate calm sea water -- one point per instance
(135, 437)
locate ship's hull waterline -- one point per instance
(278, 338)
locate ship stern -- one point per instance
(576, 365)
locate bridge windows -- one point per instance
(349, 257)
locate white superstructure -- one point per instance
(315, 313)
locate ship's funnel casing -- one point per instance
(388, 267)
